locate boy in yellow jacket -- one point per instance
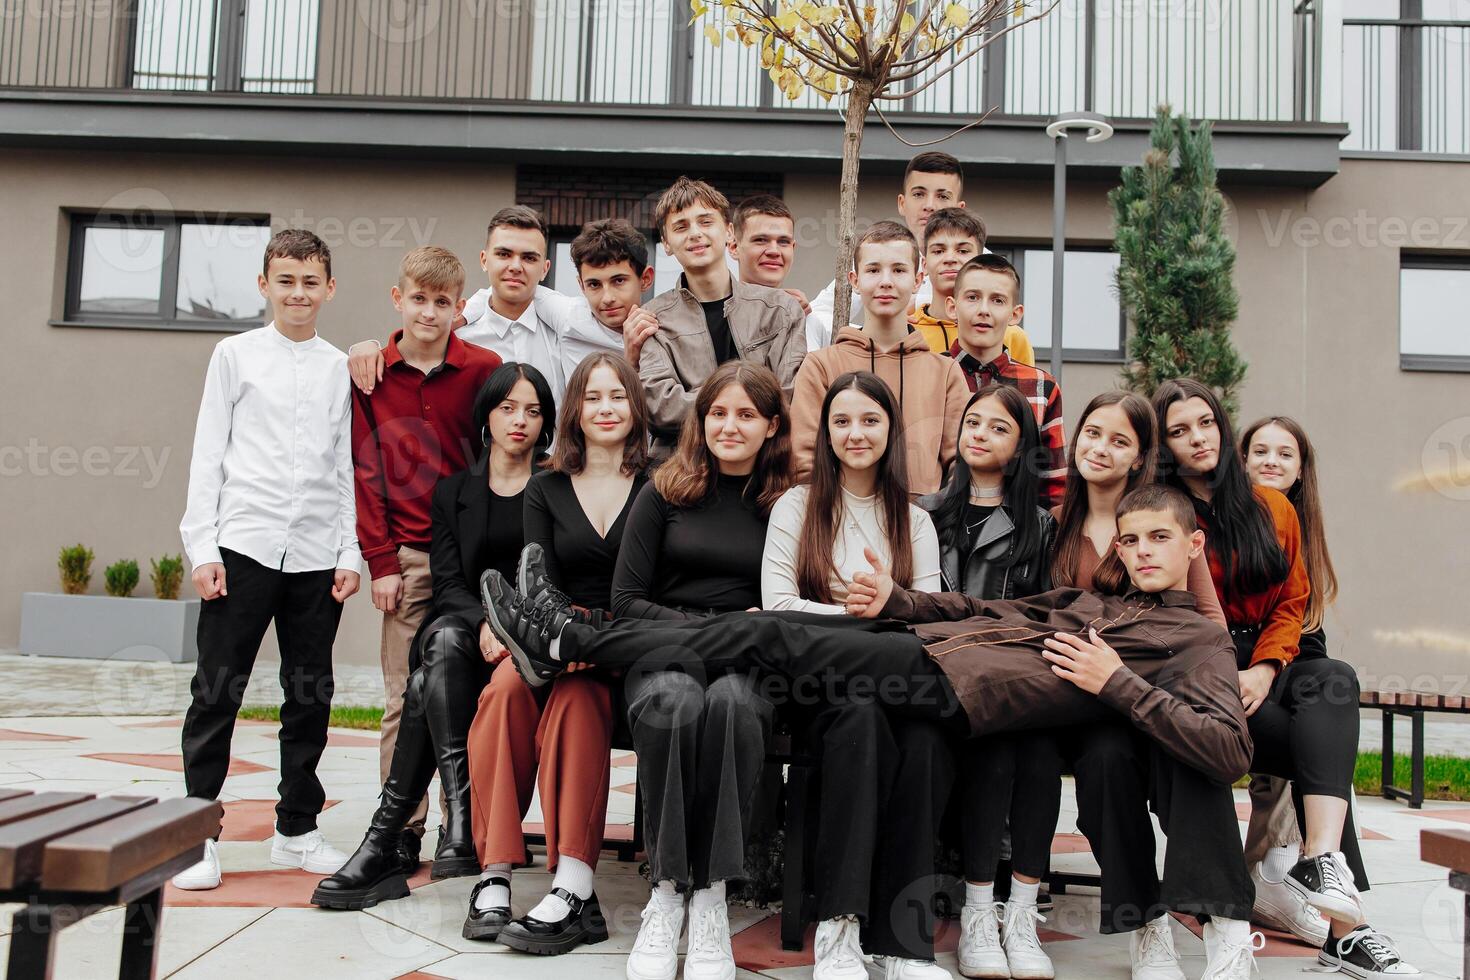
(952, 237)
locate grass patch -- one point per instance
(366, 719)
(1446, 777)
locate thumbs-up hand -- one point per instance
(870, 590)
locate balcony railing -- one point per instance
(1221, 59)
(1406, 85)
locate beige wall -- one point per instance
(1318, 326)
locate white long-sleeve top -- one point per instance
(861, 527)
(271, 474)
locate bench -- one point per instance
(65, 856)
(1412, 705)
(1451, 849)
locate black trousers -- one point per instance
(1012, 779)
(230, 630)
(1119, 774)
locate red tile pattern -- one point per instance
(170, 762)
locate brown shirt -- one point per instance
(1178, 683)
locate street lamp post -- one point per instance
(1098, 129)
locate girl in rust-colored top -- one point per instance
(1303, 714)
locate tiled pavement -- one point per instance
(261, 918)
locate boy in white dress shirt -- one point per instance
(271, 530)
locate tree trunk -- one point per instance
(859, 98)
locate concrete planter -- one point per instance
(100, 627)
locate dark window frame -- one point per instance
(1452, 261)
(1015, 252)
(80, 219)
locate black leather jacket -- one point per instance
(981, 574)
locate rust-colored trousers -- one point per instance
(565, 731)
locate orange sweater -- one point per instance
(1279, 610)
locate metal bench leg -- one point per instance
(141, 924)
(32, 939)
(1387, 791)
(1416, 792)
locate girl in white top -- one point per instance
(858, 498)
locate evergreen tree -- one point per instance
(1175, 263)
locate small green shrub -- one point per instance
(121, 578)
(76, 569)
(168, 575)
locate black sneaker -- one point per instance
(1365, 953)
(583, 924)
(534, 584)
(1326, 883)
(525, 627)
(486, 924)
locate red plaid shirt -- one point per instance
(1045, 396)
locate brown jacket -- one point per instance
(930, 389)
(1178, 683)
(767, 326)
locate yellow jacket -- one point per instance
(940, 335)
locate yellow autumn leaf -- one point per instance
(768, 56)
(870, 14)
(697, 8)
(711, 32)
(788, 21)
(906, 23)
(1019, 8)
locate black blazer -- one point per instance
(458, 548)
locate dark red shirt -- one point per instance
(412, 430)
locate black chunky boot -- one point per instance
(448, 685)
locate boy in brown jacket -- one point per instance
(930, 387)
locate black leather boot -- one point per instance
(448, 684)
(376, 871)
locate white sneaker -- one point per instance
(203, 874)
(980, 950)
(709, 956)
(309, 852)
(839, 950)
(1230, 961)
(1279, 907)
(1023, 948)
(1151, 952)
(897, 968)
(655, 954)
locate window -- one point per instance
(181, 272)
(1434, 325)
(1095, 326)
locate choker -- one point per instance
(985, 493)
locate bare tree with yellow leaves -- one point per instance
(871, 52)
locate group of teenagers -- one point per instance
(678, 525)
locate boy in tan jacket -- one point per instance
(930, 387)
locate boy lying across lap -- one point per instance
(975, 666)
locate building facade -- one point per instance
(151, 146)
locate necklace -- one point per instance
(986, 493)
(971, 529)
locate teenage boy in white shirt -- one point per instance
(932, 180)
(271, 530)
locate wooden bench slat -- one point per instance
(34, 804)
(1446, 848)
(1423, 700)
(8, 793)
(109, 854)
(23, 841)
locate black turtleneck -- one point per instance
(676, 562)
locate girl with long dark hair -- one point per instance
(1303, 713)
(575, 512)
(995, 544)
(692, 547)
(476, 521)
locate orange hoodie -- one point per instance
(941, 335)
(930, 389)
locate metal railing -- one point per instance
(1406, 85)
(1222, 59)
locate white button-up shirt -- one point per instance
(532, 338)
(271, 475)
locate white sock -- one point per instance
(497, 895)
(978, 896)
(668, 896)
(1278, 862)
(1236, 932)
(573, 875)
(1024, 893)
(705, 899)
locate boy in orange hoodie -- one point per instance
(930, 387)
